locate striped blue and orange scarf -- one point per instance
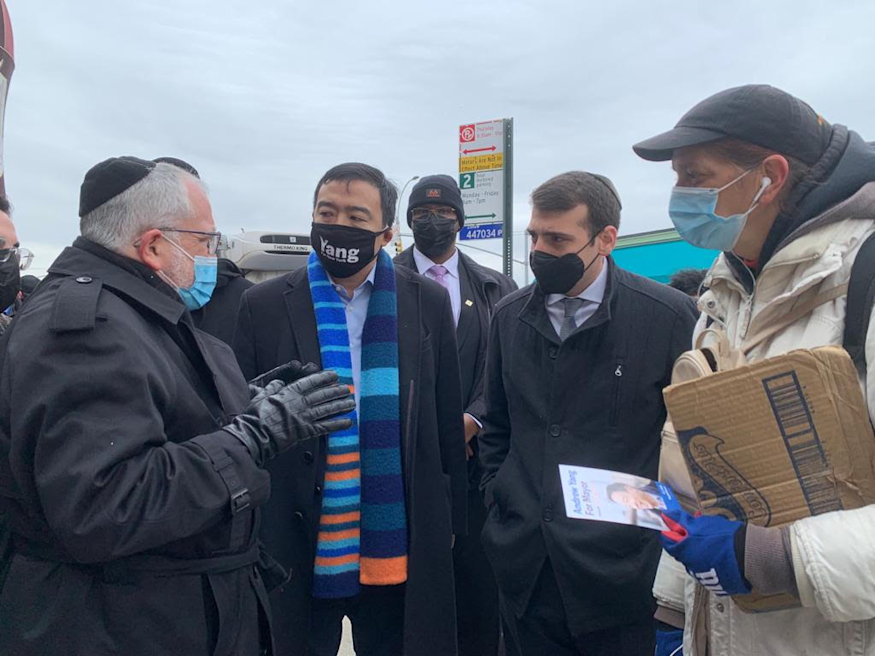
(363, 526)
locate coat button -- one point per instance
(308, 457)
(547, 515)
(299, 515)
(720, 608)
(84, 280)
(555, 430)
(553, 352)
(318, 489)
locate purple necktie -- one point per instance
(440, 275)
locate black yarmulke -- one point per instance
(108, 179)
(178, 163)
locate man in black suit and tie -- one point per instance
(436, 214)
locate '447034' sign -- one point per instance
(483, 231)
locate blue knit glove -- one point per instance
(669, 643)
(705, 545)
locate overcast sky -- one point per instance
(263, 97)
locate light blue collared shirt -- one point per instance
(356, 314)
(593, 295)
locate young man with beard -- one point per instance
(436, 214)
(365, 519)
(575, 369)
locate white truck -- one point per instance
(265, 255)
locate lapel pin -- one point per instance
(469, 302)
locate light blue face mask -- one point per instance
(201, 290)
(693, 212)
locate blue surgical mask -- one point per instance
(693, 212)
(201, 290)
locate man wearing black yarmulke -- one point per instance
(132, 451)
(436, 214)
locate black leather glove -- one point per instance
(287, 373)
(279, 416)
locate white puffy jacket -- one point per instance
(834, 553)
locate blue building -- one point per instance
(659, 253)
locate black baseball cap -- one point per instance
(756, 113)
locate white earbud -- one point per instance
(763, 185)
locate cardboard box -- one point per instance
(776, 441)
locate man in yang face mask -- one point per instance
(575, 368)
(436, 213)
(366, 518)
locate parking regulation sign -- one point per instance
(486, 182)
(481, 173)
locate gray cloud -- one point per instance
(263, 99)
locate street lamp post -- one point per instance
(398, 245)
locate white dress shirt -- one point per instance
(454, 287)
(592, 296)
(356, 313)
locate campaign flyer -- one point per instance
(608, 496)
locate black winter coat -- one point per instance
(277, 324)
(594, 400)
(485, 288)
(116, 478)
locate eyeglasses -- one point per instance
(214, 237)
(443, 212)
(25, 257)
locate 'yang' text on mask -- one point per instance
(343, 250)
(340, 254)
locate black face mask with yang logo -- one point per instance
(343, 250)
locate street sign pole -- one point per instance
(508, 197)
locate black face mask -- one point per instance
(434, 235)
(557, 275)
(10, 281)
(343, 250)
